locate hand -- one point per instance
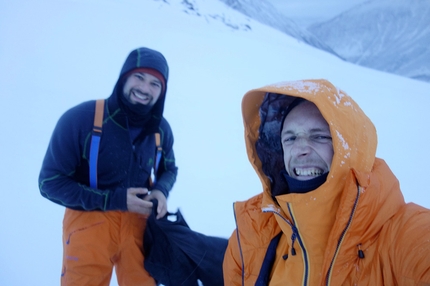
(162, 202)
(136, 204)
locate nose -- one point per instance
(144, 86)
(301, 146)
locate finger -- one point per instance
(148, 197)
(162, 214)
(135, 191)
(146, 204)
(160, 207)
(161, 211)
(141, 193)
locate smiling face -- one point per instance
(142, 88)
(306, 142)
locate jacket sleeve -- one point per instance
(410, 250)
(64, 155)
(232, 265)
(167, 172)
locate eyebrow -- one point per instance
(144, 73)
(313, 130)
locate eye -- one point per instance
(288, 140)
(156, 84)
(139, 76)
(319, 138)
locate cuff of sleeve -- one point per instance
(117, 200)
(165, 193)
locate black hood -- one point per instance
(144, 58)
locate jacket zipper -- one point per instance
(295, 236)
(339, 243)
(299, 239)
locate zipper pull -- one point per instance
(360, 252)
(293, 239)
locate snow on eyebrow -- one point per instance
(344, 143)
(301, 86)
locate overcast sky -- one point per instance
(309, 11)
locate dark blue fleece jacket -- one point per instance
(124, 161)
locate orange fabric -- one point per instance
(360, 206)
(98, 118)
(95, 242)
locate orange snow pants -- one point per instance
(96, 242)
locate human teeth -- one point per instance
(138, 95)
(307, 172)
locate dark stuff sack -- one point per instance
(176, 255)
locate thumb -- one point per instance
(137, 191)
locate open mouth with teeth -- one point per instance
(309, 172)
(141, 97)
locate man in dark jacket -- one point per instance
(104, 223)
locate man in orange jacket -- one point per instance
(330, 213)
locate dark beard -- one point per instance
(138, 114)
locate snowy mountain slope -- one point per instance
(215, 12)
(387, 35)
(391, 36)
(264, 12)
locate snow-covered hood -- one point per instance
(354, 135)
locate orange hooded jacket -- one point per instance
(355, 229)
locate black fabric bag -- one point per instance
(176, 255)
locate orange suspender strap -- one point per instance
(95, 141)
